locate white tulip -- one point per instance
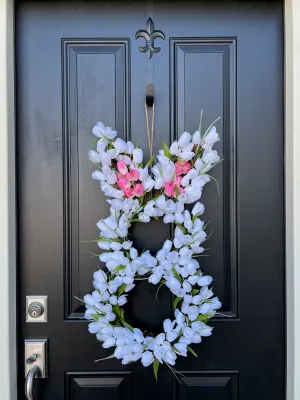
(169, 218)
(147, 358)
(212, 137)
(138, 156)
(98, 175)
(122, 300)
(187, 155)
(199, 164)
(181, 349)
(118, 354)
(196, 137)
(109, 343)
(100, 275)
(94, 156)
(129, 147)
(205, 280)
(144, 218)
(210, 156)
(174, 150)
(184, 139)
(168, 325)
(154, 279)
(116, 246)
(204, 308)
(193, 313)
(198, 209)
(104, 245)
(127, 245)
(196, 338)
(101, 131)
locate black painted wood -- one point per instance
(79, 62)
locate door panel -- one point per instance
(79, 63)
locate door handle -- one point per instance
(33, 372)
(35, 363)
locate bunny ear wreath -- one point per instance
(138, 195)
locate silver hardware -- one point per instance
(32, 374)
(30, 360)
(35, 356)
(36, 308)
(150, 34)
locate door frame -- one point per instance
(8, 266)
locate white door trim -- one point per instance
(292, 194)
(8, 292)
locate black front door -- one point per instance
(79, 63)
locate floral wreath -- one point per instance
(175, 180)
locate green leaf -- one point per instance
(200, 122)
(192, 351)
(176, 274)
(127, 325)
(117, 310)
(195, 291)
(176, 301)
(203, 317)
(106, 358)
(119, 268)
(149, 162)
(182, 228)
(155, 367)
(95, 316)
(177, 191)
(121, 289)
(137, 144)
(122, 314)
(166, 150)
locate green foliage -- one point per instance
(150, 161)
(177, 276)
(121, 289)
(192, 351)
(176, 301)
(118, 268)
(155, 367)
(126, 325)
(166, 150)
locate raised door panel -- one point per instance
(203, 72)
(208, 386)
(96, 88)
(96, 386)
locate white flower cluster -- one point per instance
(178, 179)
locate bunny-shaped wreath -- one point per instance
(175, 180)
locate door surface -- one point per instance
(79, 63)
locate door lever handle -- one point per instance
(35, 363)
(33, 372)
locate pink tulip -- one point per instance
(123, 184)
(178, 180)
(169, 188)
(129, 192)
(122, 167)
(182, 167)
(133, 175)
(138, 190)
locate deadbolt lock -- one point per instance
(36, 309)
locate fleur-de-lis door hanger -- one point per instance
(149, 34)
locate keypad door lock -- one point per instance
(36, 309)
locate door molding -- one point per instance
(8, 288)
